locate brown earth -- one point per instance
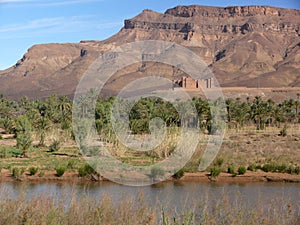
(250, 46)
(201, 177)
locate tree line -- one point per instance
(24, 117)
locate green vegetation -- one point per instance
(18, 172)
(33, 171)
(86, 170)
(55, 146)
(242, 170)
(231, 170)
(283, 131)
(179, 174)
(60, 171)
(157, 172)
(215, 171)
(44, 138)
(41, 116)
(23, 133)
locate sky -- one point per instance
(24, 23)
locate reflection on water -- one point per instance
(177, 195)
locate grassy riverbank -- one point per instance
(265, 155)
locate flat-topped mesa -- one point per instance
(181, 27)
(210, 20)
(230, 11)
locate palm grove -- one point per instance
(27, 117)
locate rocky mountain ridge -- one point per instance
(243, 46)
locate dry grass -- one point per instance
(240, 147)
(76, 209)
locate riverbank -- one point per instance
(262, 153)
(201, 177)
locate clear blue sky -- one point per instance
(24, 23)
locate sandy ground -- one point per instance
(201, 177)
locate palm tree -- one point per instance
(42, 124)
(23, 128)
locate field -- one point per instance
(241, 147)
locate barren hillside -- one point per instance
(244, 46)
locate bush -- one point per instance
(281, 168)
(17, 172)
(258, 167)
(85, 170)
(33, 171)
(178, 174)
(230, 170)
(55, 146)
(215, 171)
(290, 170)
(41, 174)
(269, 167)
(283, 131)
(252, 167)
(16, 153)
(5, 152)
(157, 172)
(293, 170)
(219, 162)
(297, 170)
(241, 170)
(60, 171)
(71, 164)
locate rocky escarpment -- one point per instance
(212, 20)
(243, 46)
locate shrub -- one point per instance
(290, 170)
(219, 162)
(33, 171)
(269, 168)
(281, 168)
(71, 164)
(252, 167)
(17, 172)
(241, 170)
(5, 152)
(178, 174)
(60, 171)
(297, 170)
(283, 131)
(293, 170)
(157, 172)
(85, 170)
(16, 153)
(230, 170)
(1, 137)
(258, 167)
(215, 171)
(55, 146)
(41, 174)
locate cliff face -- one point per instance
(240, 43)
(214, 20)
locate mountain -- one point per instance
(243, 45)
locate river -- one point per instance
(176, 195)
